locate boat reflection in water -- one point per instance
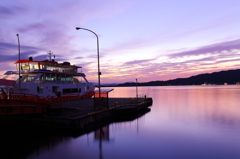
(38, 143)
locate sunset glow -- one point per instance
(149, 40)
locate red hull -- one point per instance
(30, 104)
(15, 106)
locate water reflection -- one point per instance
(19, 142)
(184, 122)
(208, 105)
(101, 135)
(192, 121)
(28, 143)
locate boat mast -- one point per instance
(50, 55)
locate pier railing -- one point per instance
(124, 100)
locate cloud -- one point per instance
(12, 11)
(9, 52)
(210, 58)
(95, 56)
(130, 45)
(13, 58)
(84, 64)
(78, 57)
(213, 49)
(51, 27)
(43, 27)
(5, 46)
(5, 11)
(137, 62)
(33, 27)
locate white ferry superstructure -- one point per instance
(46, 79)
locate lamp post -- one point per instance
(136, 89)
(19, 76)
(99, 73)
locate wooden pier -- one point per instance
(80, 114)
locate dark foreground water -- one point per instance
(185, 122)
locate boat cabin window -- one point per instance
(33, 65)
(39, 89)
(79, 79)
(28, 79)
(68, 79)
(25, 68)
(50, 77)
(55, 67)
(72, 90)
(10, 77)
(28, 66)
(42, 66)
(54, 89)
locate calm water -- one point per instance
(185, 122)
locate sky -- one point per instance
(151, 40)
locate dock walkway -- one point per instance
(81, 114)
(81, 107)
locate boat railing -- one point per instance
(28, 97)
(25, 97)
(38, 99)
(55, 81)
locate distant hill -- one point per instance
(218, 78)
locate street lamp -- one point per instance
(99, 73)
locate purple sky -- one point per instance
(145, 39)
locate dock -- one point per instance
(80, 114)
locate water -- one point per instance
(185, 122)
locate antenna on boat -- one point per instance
(50, 55)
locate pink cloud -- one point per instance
(170, 70)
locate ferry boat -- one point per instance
(44, 81)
